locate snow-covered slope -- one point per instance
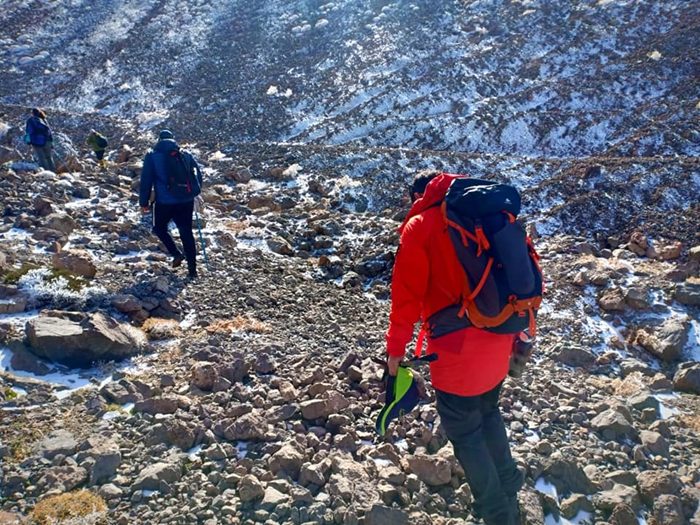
(530, 77)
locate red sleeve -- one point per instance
(408, 286)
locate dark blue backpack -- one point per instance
(180, 172)
(503, 283)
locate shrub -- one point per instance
(157, 329)
(13, 276)
(74, 508)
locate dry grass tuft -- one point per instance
(158, 329)
(690, 421)
(236, 226)
(240, 324)
(78, 508)
(629, 386)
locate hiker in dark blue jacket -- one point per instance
(177, 180)
(40, 138)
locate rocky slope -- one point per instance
(250, 395)
(530, 78)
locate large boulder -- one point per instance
(668, 341)
(653, 483)
(78, 262)
(61, 222)
(688, 293)
(80, 339)
(101, 457)
(613, 423)
(687, 379)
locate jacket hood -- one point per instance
(435, 191)
(165, 146)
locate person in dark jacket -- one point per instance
(171, 203)
(40, 138)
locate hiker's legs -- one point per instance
(100, 153)
(463, 422)
(48, 152)
(494, 432)
(42, 156)
(183, 220)
(162, 213)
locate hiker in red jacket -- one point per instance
(472, 363)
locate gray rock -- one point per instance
(77, 262)
(653, 483)
(654, 442)
(151, 477)
(531, 510)
(668, 510)
(79, 339)
(644, 400)
(667, 342)
(23, 359)
(248, 427)
(613, 423)
(59, 442)
(574, 355)
(619, 494)
(623, 514)
(204, 375)
(687, 379)
(288, 459)
(331, 403)
(687, 293)
(12, 301)
(279, 245)
(431, 470)
(127, 303)
(381, 515)
(62, 479)
(273, 498)
(158, 405)
(249, 488)
(568, 476)
(101, 457)
(61, 222)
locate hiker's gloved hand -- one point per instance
(392, 364)
(145, 209)
(199, 204)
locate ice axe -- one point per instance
(60, 159)
(201, 240)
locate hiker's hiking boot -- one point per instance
(178, 260)
(191, 276)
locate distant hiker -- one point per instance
(461, 250)
(39, 136)
(177, 180)
(98, 143)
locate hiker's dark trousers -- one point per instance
(42, 156)
(181, 215)
(475, 427)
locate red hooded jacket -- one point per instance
(427, 278)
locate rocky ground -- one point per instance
(249, 396)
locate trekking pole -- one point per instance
(201, 239)
(62, 162)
